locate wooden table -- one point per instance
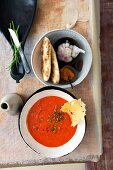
(106, 37)
(54, 15)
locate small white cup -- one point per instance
(11, 104)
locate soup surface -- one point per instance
(47, 125)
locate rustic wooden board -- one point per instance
(53, 14)
(106, 39)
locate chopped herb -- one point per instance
(56, 117)
(61, 112)
(54, 128)
(49, 120)
(55, 112)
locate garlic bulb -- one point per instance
(76, 51)
(67, 52)
(64, 52)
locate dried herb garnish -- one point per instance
(55, 112)
(55, 118)
(54, 128)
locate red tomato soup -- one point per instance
(47, 125)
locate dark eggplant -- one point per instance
(21, 12)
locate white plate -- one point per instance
(51, 152)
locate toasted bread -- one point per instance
(55, 73)
(46, 59)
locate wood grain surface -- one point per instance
(51, 14)
(106, 37)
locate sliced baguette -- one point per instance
(46, 59)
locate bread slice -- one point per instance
(46, 58)
(55, 73)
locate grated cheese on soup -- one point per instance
(75, 109)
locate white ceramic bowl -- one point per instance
(54, 36)
(51, 152)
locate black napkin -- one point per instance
(21, 12)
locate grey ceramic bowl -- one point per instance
(54, 36)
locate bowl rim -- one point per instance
(84, 126)
(64, 85)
